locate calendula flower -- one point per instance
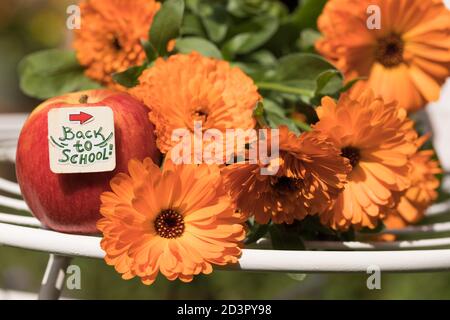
(378, 139)
(191, 88)
(109, 39)
(422, 192)
(311, 174)
(178, 221)
(407, 59)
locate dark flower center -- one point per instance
(389, 51)
(169, 224)
(352, 154)
(116, 44)
(200, 115)
(285, 184)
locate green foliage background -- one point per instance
(102, 282)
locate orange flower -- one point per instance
(378, 139)
(178, 222)
(407, 60)
(188, 88)
(422, 192)
(109, 39)
(311, 174)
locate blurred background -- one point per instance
(31, 25)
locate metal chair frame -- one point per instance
(320, 257)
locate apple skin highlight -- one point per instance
(70, 202)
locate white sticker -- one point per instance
(81, 139)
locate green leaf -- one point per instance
(300, 277)
(351, 83)
(312, 229)
(256, 71)
(275, 121)
(271, 113)
(304, 74)
(284, 41)
(130, 77)
(263, 57)
(307, 14)
(202, 46)
(192, 26)
(301, 88)
(215, 20)
(166, 25)
(254, 34)
(302, 126)
(308, 39)
(258, 65)
(285, 238)
(193, 5)
(247, 8)
(50, 73)
(326, 78)
(237, 8)
(380, 227)
(302, 66)
(271, 106)
(257, 232)
(150, 51)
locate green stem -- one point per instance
(283, 88)
(301, 125)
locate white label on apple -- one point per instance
(81, 139)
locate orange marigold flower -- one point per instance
(311, 174)
(109, 39)
(422, 192)
(178, 221)
(188, 88)
(378, 139)
(407, 59)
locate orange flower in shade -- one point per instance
(378, 139)
(109, 39)
(188, 88)
(407, 60)
(178, 221)
(422, 192)
(311, 174)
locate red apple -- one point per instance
(70, 202)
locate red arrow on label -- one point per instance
(82, 117)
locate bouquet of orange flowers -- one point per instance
(327, 87)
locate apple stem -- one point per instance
(84, 98)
